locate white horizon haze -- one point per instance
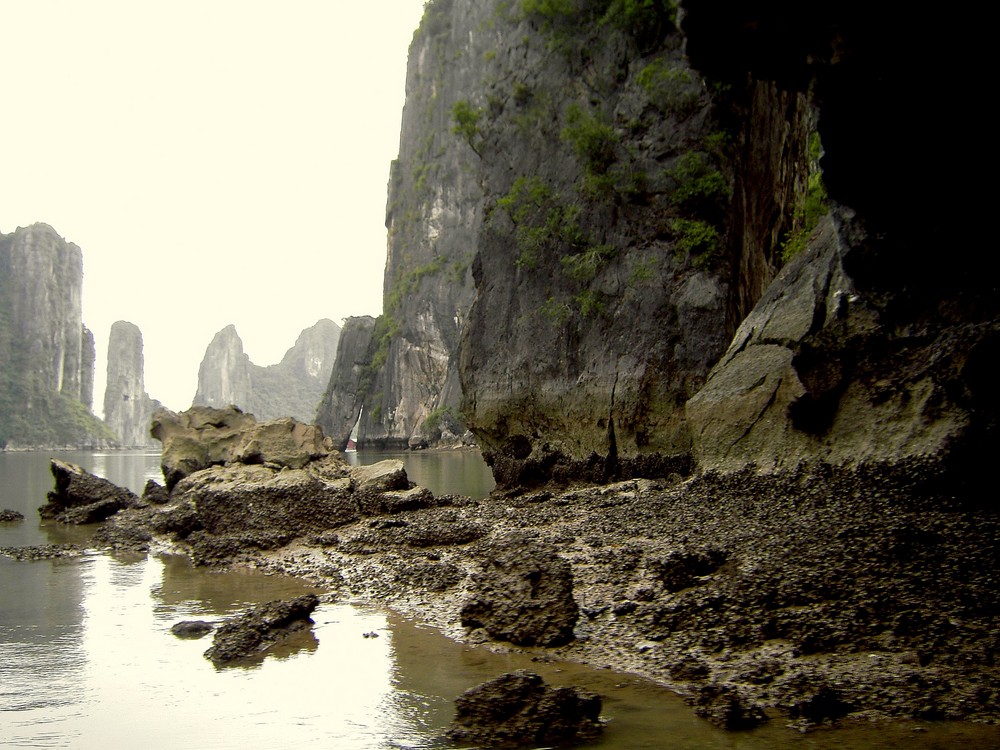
(218, 162)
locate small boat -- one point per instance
(352, 441)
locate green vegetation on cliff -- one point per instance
(646, 21)
(811, 208)
(544, 225)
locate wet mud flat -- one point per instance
(810, 596)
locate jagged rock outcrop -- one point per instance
(81, 497)
(602, 285)
(239, 499)
(202, 437)
(46, 353)
(197, 438)
(292, 388)
(814, 371)
(870, 345)
(224, 373)
(235, 485)
(128, 409)
(632, 184)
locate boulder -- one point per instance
(255, 631)
(80, 497)
(198, 438)
(383, 487)
(242, 499)
(203, 436)
(380, 477)
(396, 501)
(820, 370)
(519, 709)
(10, 516)
(155, 493)
(524, 595)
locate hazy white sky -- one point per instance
(217, 161)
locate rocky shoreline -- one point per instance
(813, 595)
(809, 596)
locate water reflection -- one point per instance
(431, 671)
(40, 632)
(183, 590)
(122, 468)
(443, 472)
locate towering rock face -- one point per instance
(634, 182)
(128, 409)
(46, 353)
(88, 361)
(602, 277)
(291, 388)
(433, 213)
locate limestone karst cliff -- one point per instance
(46, 353)
(698, 236)
(128, 409)
(432, 216)
(291, 388)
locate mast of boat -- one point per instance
(352, 441)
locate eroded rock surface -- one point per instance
(80, 497)
(252, 633)
(42, 552)
(817, 593)
(238, 498)
(197, 438)
(819, 370)
(523, 594)
(203, 436)
(519, 710)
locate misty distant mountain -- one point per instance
(46, 352)
(291, 388)
(128, 409)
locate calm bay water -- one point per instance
(87, 659)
